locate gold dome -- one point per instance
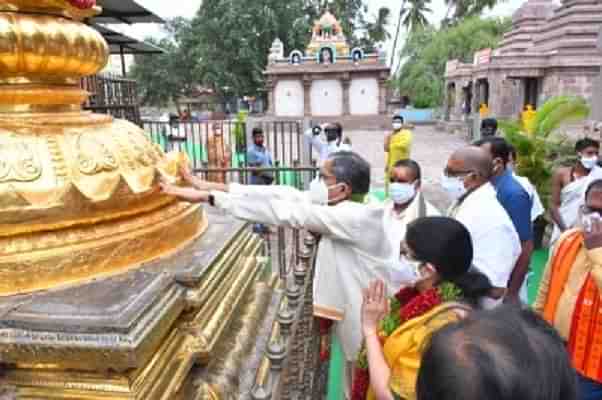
(79, 193)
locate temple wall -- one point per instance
(574, 83)
(289, 98)
(364, 96)
(506, 96)
(327, 98)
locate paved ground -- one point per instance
(431, 149)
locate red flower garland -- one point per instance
(83, 4)
(413, 304)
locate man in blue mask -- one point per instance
(354, 249)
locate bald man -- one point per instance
(495, 240)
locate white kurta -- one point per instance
(354, 249)
(324, 148)
(495, 241)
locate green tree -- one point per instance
(415, 15)
(427, 50)
(457, 10)
(226, 45)
(234, 36)
(163, 78)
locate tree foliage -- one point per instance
(226, 45)
(540, 151)
(162, 78)
(427, 50)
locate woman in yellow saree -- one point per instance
(397, 331)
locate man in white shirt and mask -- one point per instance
(331, 142)
(354, 248)
(495, 240)
(406, 204)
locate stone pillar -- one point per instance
(597, 92)
(346, 83)
(307, 82)
(382, 94)
(270, 86)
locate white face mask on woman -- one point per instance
(397, 126)
(402, 193)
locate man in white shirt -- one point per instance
(354, 249)
(495, 240)
(331, 142)
(406, 204)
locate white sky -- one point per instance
(188, 8)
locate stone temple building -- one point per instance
(329, 81)
(551, 50)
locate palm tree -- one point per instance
(415, 17)
(460, 9)
(377, 30)
(402, 11)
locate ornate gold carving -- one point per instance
(44, 260)
(93, 157)
(70, 49)
(18, 162)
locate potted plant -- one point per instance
(543, 148)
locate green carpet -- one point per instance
(335, 371)
(538, 264)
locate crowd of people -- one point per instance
(432, 304)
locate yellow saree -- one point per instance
(403, 349)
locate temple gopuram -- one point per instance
(110, 289)
(329, 81)
(551, 50)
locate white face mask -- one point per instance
(589, 162)
(401, 193)
(397, 125)
(333, 147)
(404, 272)
(454, 186)
(318, 192)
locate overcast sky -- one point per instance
(187, 8)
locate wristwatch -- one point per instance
(211, 200)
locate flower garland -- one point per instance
(407, 304)
(83, 4)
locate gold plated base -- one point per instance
(163, 376)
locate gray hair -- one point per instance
(352, 169)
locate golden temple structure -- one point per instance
(108, 288)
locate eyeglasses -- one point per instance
(456, 174)
(585, 210)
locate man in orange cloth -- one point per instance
(218, 153)
(569, 295)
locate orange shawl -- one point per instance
(585, 338)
